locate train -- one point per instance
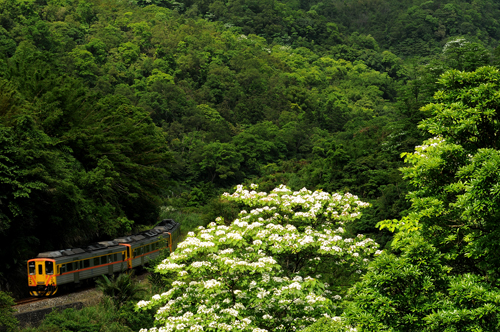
(53, 269)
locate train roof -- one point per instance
(163, 227)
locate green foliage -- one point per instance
(414, 291)
(7, 320)
(121, 289)
(327, 325)
(454, 174)
(112, 109)
(98, 318)
(397, 292)
(442, 274)
(189, 220)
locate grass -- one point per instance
(189, 221)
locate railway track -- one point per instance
(60, 294)
(28, 300)
(64, 294)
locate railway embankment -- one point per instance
(35, 317)
(32, 313)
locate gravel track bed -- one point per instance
(87, 297)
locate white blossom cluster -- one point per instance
(284, 203)
(422, 150)
(232, 278)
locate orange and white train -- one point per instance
(51, 269)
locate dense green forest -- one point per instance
(113, 113)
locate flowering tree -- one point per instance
(253, 275)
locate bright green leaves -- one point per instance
(398, 292)
(469, 305)
(219, 161)
(7, 320)
(466, 108)
(452, 226)
(84, 63)
(128, 52)
(157, 75)
(455, 174)
(464, 55)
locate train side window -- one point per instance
(86, 263)
(115, 257)
(96, 261)
(103, 260)
(49, 268)
(69, 267)
(40, 269)
(63, 268)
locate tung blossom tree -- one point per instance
(259, 273)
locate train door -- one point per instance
(128, 255)
(40, 272)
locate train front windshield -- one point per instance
(37, 268)
(49, 268)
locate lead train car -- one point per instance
(55, 268)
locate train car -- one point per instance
(55, 268)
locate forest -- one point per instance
(115, 114)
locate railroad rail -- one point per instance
(28, 300)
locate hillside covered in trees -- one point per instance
(115, 112)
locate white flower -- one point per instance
(200, 264)
(170, 266)
(142, 304)
(211, 283)
(226, 252)
(230, 311)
